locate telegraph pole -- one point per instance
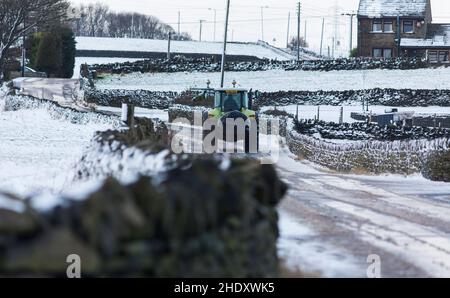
(262, 23)
(299, 9)
(23, 52)
(225, 45)
(398, 36)
(215, 21)
(288, 29)
(304, 36)
(351, 15)
(179, 23)
(168, 46)
(321, 36)
(201, 25)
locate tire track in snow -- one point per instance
(410, 231)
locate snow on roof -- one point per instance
(438, 35)
(186, 47)
(379, 8)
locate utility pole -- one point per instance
(23, 52)
(168, 46)
(304, 36)
(398, 35)
(321, 36)
(132, 25)
(201, 25)
(225, 45)
(299, 10)
(350, 47)
(215, 21)
(179, 23)
(288, 30)
(262, 23)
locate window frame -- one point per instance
(377, 49)
(384, 53)
(388, 21)
(435, 54)
(445, 54)
(412, 26)
(377, 21)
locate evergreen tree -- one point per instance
(49, 55)
(68, 49)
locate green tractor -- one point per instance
(236, 104)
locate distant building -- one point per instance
(393, 28)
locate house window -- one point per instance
(443, 56)
(382, 53)
(377, 26)
(377, 53)
(387, 53)
(433, 56)
(408, 26)
(388, 26)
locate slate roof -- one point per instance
(391, 8)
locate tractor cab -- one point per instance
(232, 100)
(236, 104)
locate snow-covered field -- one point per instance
(187, 47)
(332, 113)
(38, 153)
(276, 80)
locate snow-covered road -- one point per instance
(330, 223)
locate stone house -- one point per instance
(395, 28)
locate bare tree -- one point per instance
(19, 17)
(96, 20)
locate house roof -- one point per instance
(392, 8)
(438, 36)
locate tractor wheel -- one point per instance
(257, 133)
(247, 141)
(207, 132)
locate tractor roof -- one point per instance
(232, 89)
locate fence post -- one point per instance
(341, 116)
(318, 113)
(296, 115)
(128, 114)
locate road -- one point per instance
(62, 91)
(331, 222)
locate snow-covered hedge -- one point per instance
(386, 97)
(20, 102)
(140, 98)
(371, 156)
(125, 152)
(367, 131)
(183, 64)
(187, 112)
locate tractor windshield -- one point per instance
(231, 100)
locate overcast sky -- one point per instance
(245, 18)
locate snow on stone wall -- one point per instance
(398, 157)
